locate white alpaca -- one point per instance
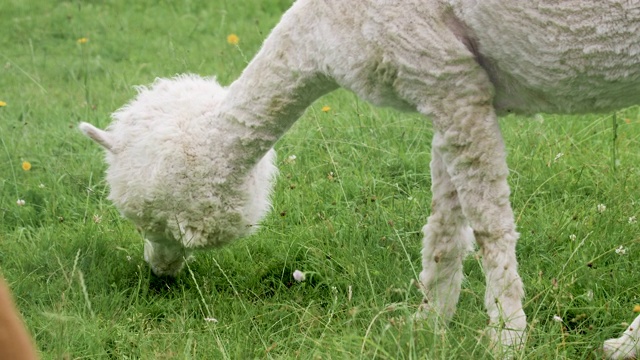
(188, 165)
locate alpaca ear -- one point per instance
(97, 135)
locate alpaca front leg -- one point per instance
(165, 258)
(447, 240)
(627, 346)
(504, 293)
(473, 151)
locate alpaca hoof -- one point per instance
(429, 316)
(424, 312)
(506, 343)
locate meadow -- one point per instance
(351, 198)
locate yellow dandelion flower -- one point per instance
(83, 40)
(2, 103)
(26, 166)
(326, 108)
(233, 39)
(636, 308)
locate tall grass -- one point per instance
(351, 198)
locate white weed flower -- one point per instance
(621, 250)
(601, 208)
(557, 318)
(41, 186)
(20, 202)
(633, 220)
(589, 295)
(298, 276)
(291, 159)
(558, 157)
(538, 118)
(572, 237)
(210, 319)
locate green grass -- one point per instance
(347, 211)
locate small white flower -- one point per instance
(298, 276)
(558, 157)
(291, 159)
(601, 208)
(210, 319)
(128, 258)
(572, 237)
(410, 198)
(20, 202)
(589, 295)
(621, 250)
(633, 220)
(41, 186)
(557, 318)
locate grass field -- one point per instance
(347, 210)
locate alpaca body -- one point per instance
(557, 57)
(540, 58)
(459, 62)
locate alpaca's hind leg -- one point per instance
(447, 240)
(472, 149)
(627, 346)
(165, 258)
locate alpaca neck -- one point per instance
(273, 91)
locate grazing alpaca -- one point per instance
(194, 168)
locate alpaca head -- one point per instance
(176, 170)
